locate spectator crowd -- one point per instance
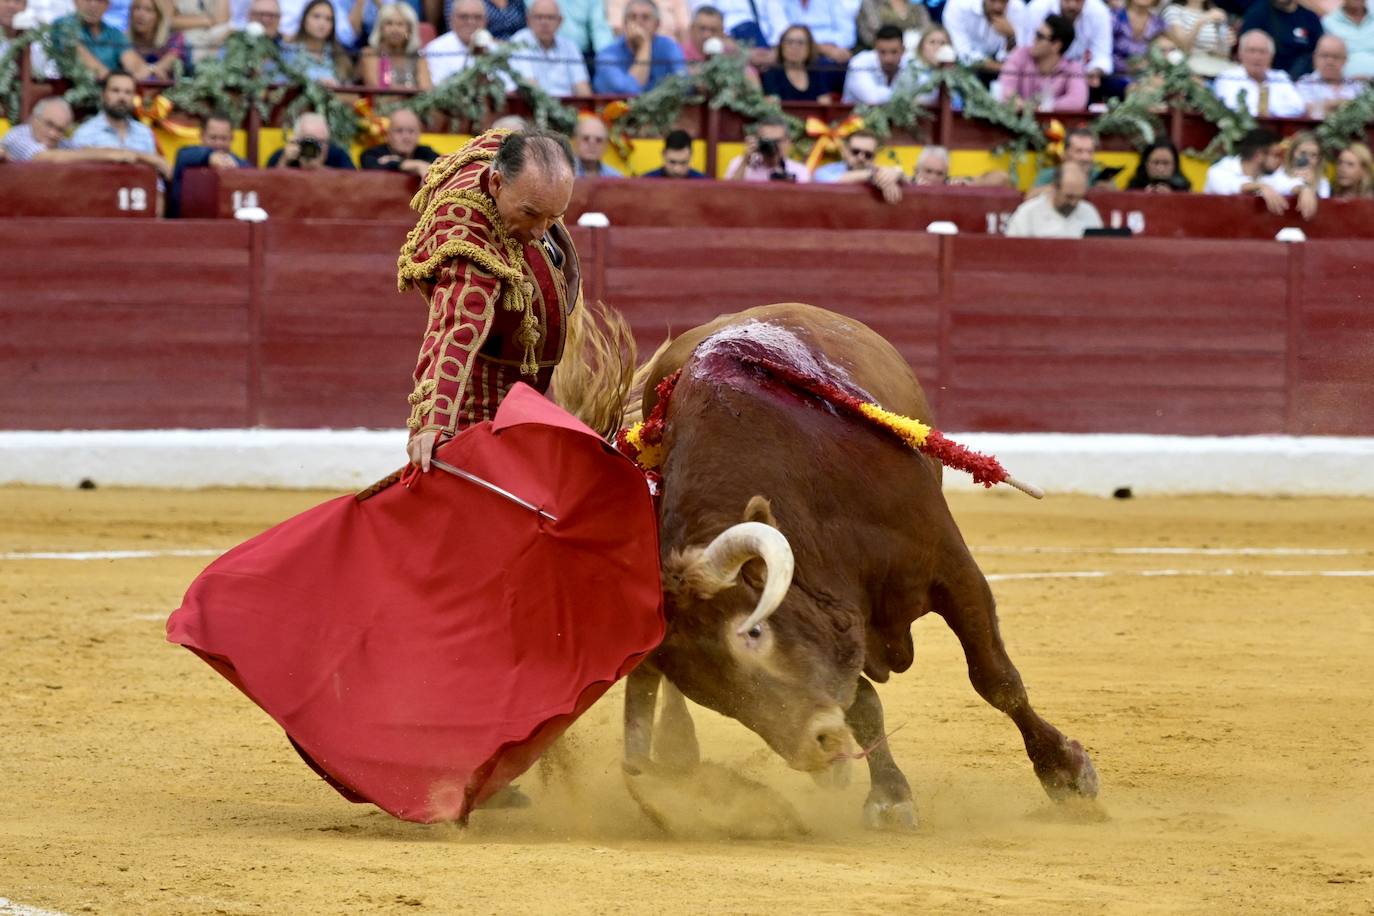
(1278, 58)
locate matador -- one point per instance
(498, 268)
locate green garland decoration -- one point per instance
(1132, 117)
(1347, 123)
(59, 44)
(480, 89)
(1177, 85)
(253, 72)
(721, 81)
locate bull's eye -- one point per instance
(755, 632)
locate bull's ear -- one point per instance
(755, 572)
(760, 510)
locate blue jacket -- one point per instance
(613, 67)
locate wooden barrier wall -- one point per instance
(297, 323)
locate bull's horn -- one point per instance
(739, 544)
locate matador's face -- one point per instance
(532, 201)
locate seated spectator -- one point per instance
(45, 131)
(154, 52)
(831, 23)
(1354, 172)
(314, 49)
(451, 52)
(549, 60)
(1134, 26)
(116, 128)
(640, 59)
(908, 16)
(585, 23)
(1080, 146)
(1038, 77)
(98, 45)
(391, 58)
(1293, 29)
(310, 147)
(363, 14)
(677, 158)
(795, 75)
(1352, 24)
(589, 146)
(1303, 173)
(402, 151)
(674, 18)
(1268, 93)
(1201, 32)
(932, 168)
(203, 25)
(933, 52)
(859, 165)
(267, 14)
(1159, 170)
(982, 34)
(293, 17)
(750, 23)
(765, 155)
(1091, 47)
(214, 151)
(872, 74)
(1326, 88)
(1257, 154)
(1060, 214)
(505, 17)
(708, 23)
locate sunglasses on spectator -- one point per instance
(864, 153)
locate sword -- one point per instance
(488, 485)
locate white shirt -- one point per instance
(1038, 219)
(830, 21)
(1284, 101)
(556, 70)
(446, 55)
(1092, 31)
(1287, 184)
(971, 33)
(866, 83)
(1226, 177)
(1314, 89)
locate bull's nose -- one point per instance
(832, 740)
(827, 736)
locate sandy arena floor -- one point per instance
(1228, 706)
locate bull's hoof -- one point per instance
(1073, 777)
(882, 814)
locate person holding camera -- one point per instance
(310, 147)
(765, 155)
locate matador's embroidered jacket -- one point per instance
(497, 310)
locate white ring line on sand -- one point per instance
(10, 908)
(109, 554)
(1147, 573)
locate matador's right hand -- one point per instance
(420, 448)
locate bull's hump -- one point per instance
(733, 356)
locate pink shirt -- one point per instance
(1063, 90)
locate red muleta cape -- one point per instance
(421, 647)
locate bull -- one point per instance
(798, 546)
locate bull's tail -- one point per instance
(593, 380)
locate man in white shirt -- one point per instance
(549, 60)
(1061, 214)
(1092, 31)
(1268, 93)
(982, 32)
(1257, 154)
(1353, 25)
(1326, 88)
(872, 74)
(452, 51)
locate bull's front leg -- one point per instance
(889, 802)
(641, 692)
